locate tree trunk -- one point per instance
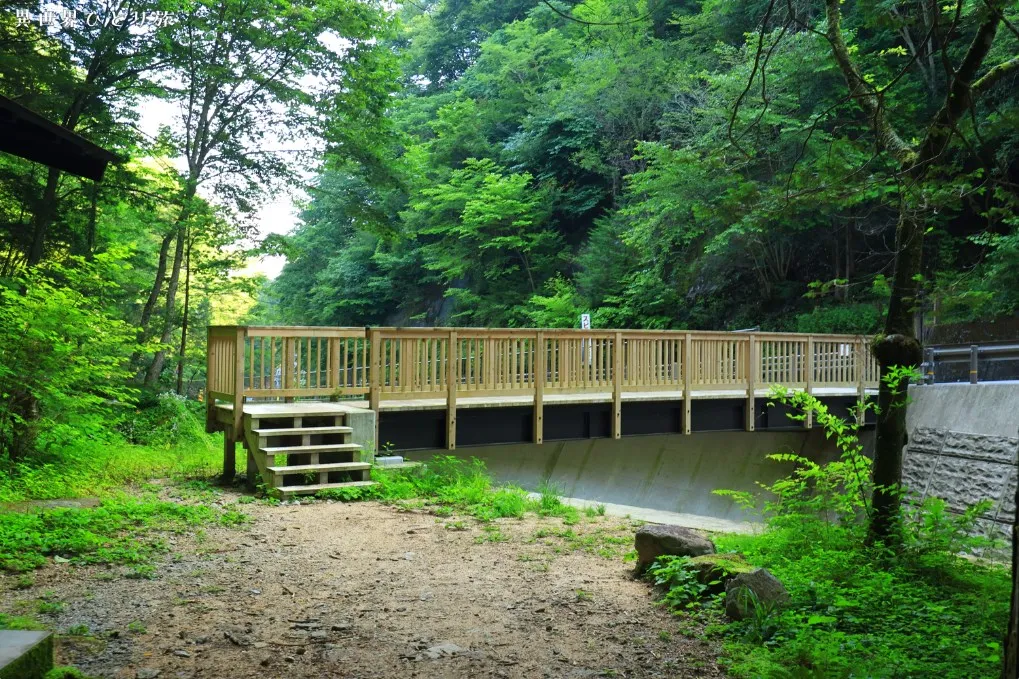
(184, 321)
(156, 367)
(897, 350)
(157, 284)
(44, 217)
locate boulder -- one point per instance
(767, 591)
(719, 569)
(655, 540)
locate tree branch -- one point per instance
(869, 100)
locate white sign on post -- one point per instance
(585, 324)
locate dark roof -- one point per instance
(30, 136)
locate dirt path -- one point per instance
(365, 590)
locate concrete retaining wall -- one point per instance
(671, 472)
(963, 447)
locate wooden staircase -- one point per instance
(297, 453)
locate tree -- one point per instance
(248, 76)
(921, 166)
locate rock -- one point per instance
(182, 654)
(445, 649)
(655, 540)
(766, 588)
(341, 627)
(148, 674)
(719, 569)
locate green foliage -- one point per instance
(450, 484)
(683, 586)
(171, 421)
(853, 607)
(63, 358)
(119, 531)
(856, 319)
(920, 611)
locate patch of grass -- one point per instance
(78, 631)
(19, 622)
(100, 468)
(120, 530)
(66, 673)
(447, 484)
(607, 542)
(929, 616)
(136, 627)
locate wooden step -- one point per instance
(304, 450)
(327, 467)
(315, 487)
(294, 431)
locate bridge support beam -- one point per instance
(617, 386)
(452, 377)
(751, 382)
(687, 380)
(808, 419)
(540, 368)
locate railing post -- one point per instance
(928, 377)
(861, 379)
(211, 361)
(288, 367)
(687, 381)
(333, 380)
(617, 386)
(231, 437)
(375, 378)
(539, 387)
(751, 381)
(452, 377)
(974, 363)
(808, 419)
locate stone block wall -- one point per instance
(963, 468)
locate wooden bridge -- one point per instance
(508, 385)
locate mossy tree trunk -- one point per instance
(899, 348)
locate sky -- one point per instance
(278, 215)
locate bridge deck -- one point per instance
(263, 408)
(409, 370)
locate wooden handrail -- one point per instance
(447, 363)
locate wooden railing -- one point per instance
(450, 363)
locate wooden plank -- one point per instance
(539, 390)
(452, 377)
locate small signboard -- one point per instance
(585, 321)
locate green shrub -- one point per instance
(63, 358)
(169, 420)
(853, 319)
(918, 611)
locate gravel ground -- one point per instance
(367, 590)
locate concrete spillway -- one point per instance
(670, 472)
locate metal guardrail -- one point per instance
(973, 363)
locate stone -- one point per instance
(767, 592)
(719, 569)
(25, 655)
(182, 654)
(145, 673)
(445, 649)
(655, 540)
